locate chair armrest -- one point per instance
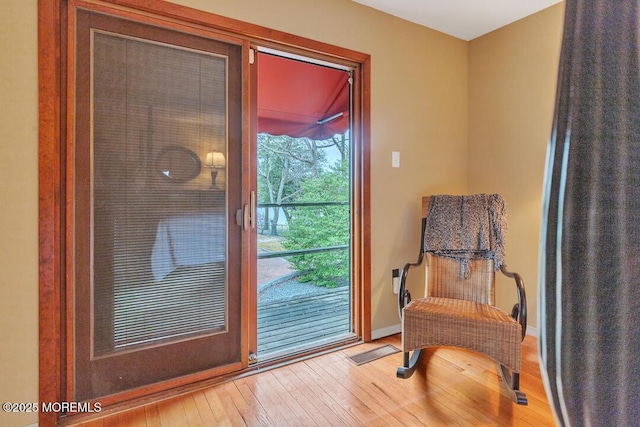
(404, 296)
(519, 311)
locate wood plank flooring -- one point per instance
(451, 387)
(300, 321)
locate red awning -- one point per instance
(300, 99)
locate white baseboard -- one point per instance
(532, 331)
(385, 332)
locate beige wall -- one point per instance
(512, 83)
(435, 99)
(19, 207)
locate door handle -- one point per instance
(242, 217)
(239, 217)
(245, 217)
(252, 213)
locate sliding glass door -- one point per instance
(156, 184)
(304, 205)
(151, 277)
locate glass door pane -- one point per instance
(304, 231)
(154, 202)
(157, 176)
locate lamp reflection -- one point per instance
(214, 160)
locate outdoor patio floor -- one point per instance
(295, 323)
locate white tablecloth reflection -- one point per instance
(188, 240)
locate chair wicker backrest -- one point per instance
(443, 276)
(443, 280)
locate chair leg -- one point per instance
(410, 364)
(512, 381)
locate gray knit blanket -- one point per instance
(466, 228)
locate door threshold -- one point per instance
(307, 350)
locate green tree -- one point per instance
(283, 163)
(322, 226)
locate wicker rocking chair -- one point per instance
(460, 311)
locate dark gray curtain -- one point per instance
(590, 248)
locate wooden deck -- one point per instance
(287, 326)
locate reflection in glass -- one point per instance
(159, 230)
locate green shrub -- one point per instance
(322, 226)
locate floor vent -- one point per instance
(371, 355)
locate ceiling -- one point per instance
(464, 19)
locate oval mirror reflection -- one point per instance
(178, 164)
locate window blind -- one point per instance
(159, 219)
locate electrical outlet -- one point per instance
(395, 280)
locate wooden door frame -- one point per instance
(55, 320)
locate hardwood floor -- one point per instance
(462, 388)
